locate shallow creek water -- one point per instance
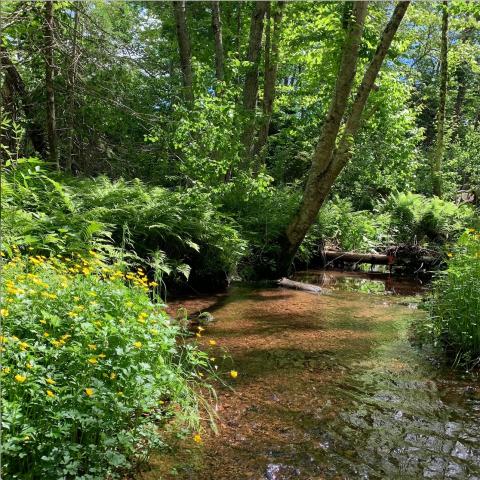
(329, 387)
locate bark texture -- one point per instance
(440, 137)
(49, 85)
(318, 175)
(217, 32)
(272, 56)
(250, 90)
(329, 161)
(71, 86)
(185, 51)
(16, 86)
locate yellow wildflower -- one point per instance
(153, 284)
(91, 346)
(46, 334)
(23, 345)
(6, 369)
(113, 376)
(198, 335)
(197, 438)
(43, 322)
(89, 391)
(29, 365)
(449, 255)
(102, 355)
(200, 329)
(3, 312)
(212, 342)
(50, 381)
(137, 344)
(92, 360)
(50, 393)
(129, 304)
(233, 373)
(20, 378)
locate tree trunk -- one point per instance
(319, 175)
(238, 35)
(217, 31)
(272, 44)
(49, 86)
(71, 91)
(440, 138)
(250, 90)
(16, 85)
(184, 49)
(331, 167)
(343, 153)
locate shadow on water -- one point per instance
(329, 387)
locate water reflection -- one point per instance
(367, 282)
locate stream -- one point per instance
(329, 387)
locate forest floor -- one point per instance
(328, 387)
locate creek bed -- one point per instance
(328, 387)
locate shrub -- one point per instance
(352, 230)
(416, 218)
(49, 213)
(40, 214)
(90, 368)
(454, 303)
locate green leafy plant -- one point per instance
(91, 369)
(454, 303)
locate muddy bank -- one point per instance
(328, 387)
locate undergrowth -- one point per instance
(454, 304)
(91, 369)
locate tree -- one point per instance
(272, 44)
(179, 11)
(250, 89)
(72, 80)
(217, 32)
(49, 33)
(439, 149)
(327, 162)
(15, 90)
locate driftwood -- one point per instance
(307, 287)
(376, 258)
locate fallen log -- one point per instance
(376, 258)
(307, 287)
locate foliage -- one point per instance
(454, 303)
(352, 230)
(91, 368)
(40, 214)
(418, 219)
(53, 214)
(183, 224)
